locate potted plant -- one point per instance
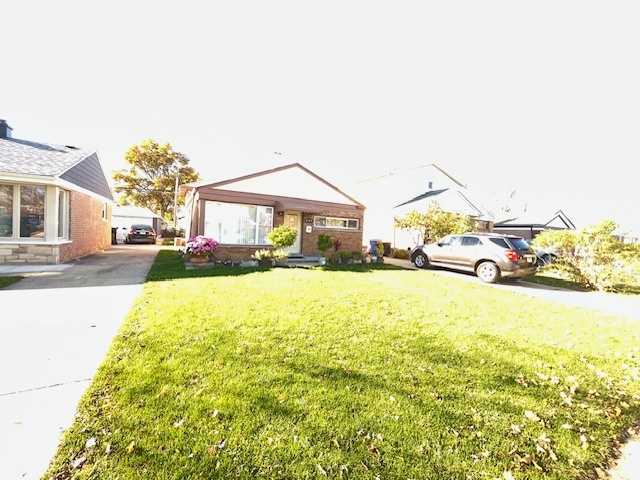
(356, 257)
(282, 237)
(264, 257)
(345, 257)
(200, 248)
(323, 243)
(280, 257)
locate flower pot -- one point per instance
(281, 262)
(199, 259)
(264, 262)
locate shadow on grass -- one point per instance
(169, 265)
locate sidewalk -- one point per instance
(56, 327)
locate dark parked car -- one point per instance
(490, 256)
(140, 233)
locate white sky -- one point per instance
(540, 97)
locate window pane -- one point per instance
(6, 210)
(265, 222)
(62, 214)
(31, 211)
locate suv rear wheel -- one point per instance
(488, 272)
(421, 260)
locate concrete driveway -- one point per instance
(56, 326)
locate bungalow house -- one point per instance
(527, 225)
(55, 202)
(397, 192)
(240, 212)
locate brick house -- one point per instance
(55, 202)
(240, 212)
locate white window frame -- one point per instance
(317, 223)
(17, 212)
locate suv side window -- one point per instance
(448, 240)
(470, 241)
(501, 242)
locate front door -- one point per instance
(294, 219)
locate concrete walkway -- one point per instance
(56, 326)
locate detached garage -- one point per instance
(126, 215)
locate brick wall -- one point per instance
(351, 240)
(89, 233)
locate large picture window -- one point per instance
(335, 222)
(22, 211)
(238, 224)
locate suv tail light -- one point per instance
(511, 255)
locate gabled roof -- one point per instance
(397, 185)
(292, 181)
(558, 220)
(74, 165)
(450, 200)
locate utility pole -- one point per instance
(175, 206)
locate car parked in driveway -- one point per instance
(140, 233)
(490, 256)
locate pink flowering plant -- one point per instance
(200, 246)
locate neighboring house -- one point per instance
(400, 191)
(124, 216)
(55, 202)
(240, 212)
(527, 225)
(452, 200)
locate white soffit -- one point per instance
(292, 182)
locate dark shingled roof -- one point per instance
(430, 193)
(75, 165)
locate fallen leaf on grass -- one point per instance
(131, 447)
(322, 470)
(531, 416)
(179, 424)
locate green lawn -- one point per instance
(361, 371)
(8, 280)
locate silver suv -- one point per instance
(490, 256)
